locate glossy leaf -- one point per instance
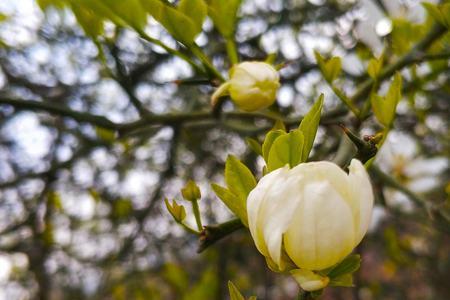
(234, 292)
(286, 150)
(240, 181)
(234, 203)
(130, 11)
(182, 27)
(330, 68)
(374, 67)
(309, 126)
(268, 141)
(349, 265)
(384, 107)
(178, 212)
(254, 145)
(439, 12)
(196, 10)
(223, 14)
(345, 280)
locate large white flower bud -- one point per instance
(310, 217)
(252, 86)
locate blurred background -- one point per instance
(82, 214)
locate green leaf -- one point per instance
(223, 14)
(374, 67)
(91, 23)
(349, 265)
(384, 107)
(233, 202)
(279, 125)
(286, 149)
(268, 141)
(105, 134)
(330, 68)
(254, 145)
(439, 12)
(130, 11)
(122, 208)
(181, 26)
(196, 10)
(309, 126)
(234, 292)
(240, 180)
(345, 280)
(178, 212)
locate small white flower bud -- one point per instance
(252, 86)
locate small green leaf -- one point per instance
(439, 12)
(182, 27)
(178, 212)
(254, 145)
(286, 149)
(268, 141)
(309, 126)
(394, 93)
(333, 68)
(330, 68)
(234, 292)
(122, 208)
(374, 67)
(240, 180)
(105, 134)
(384, 107)
(223, 14)
(345, 280)
(349, 265)
(233, 202)
(279, 125)
(379, 110)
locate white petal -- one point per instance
(278, 212)
(322, 232)
(256, 200)
(361, 189)
(325, 171)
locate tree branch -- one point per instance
(60, 110)
(213, 233)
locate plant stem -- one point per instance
(169, 49)
(188, 228)
(232, 51)
(198, 218)
(206, 62)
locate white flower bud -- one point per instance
(252, 86)
(310, 217)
